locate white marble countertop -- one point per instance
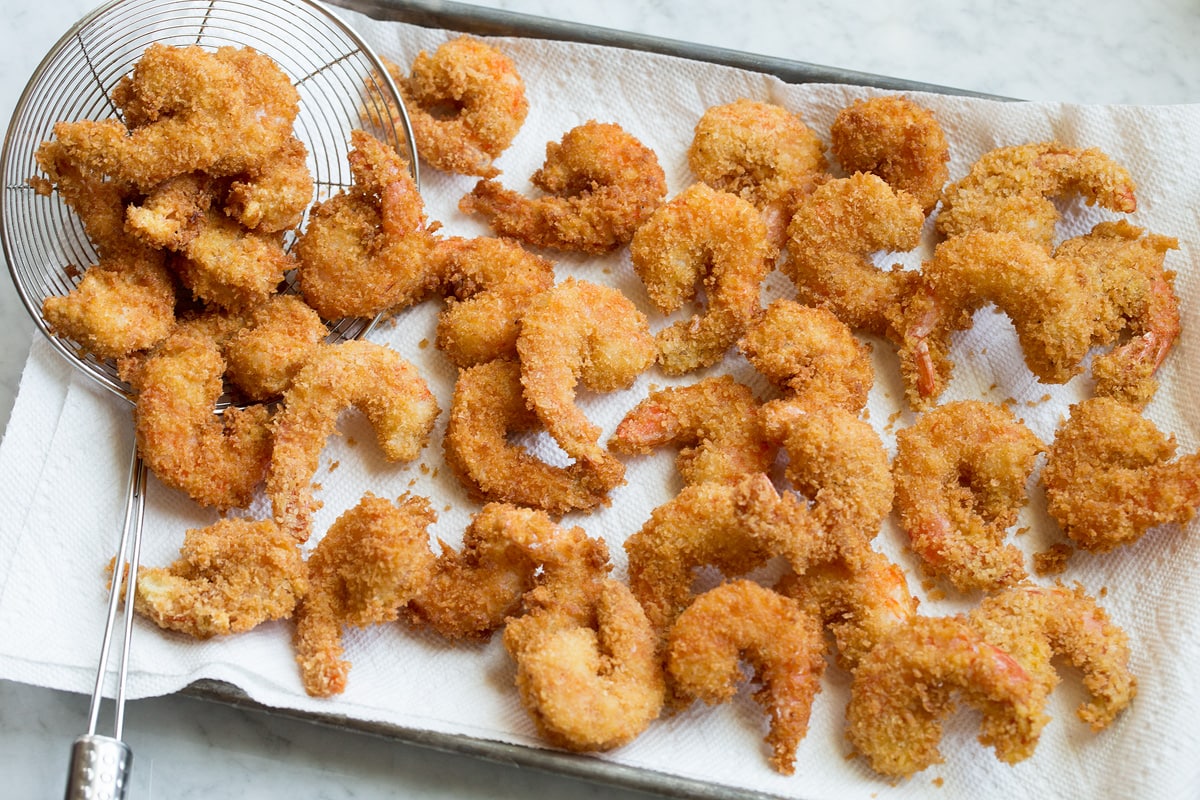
(1092, 51)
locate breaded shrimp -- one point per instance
(466, 103)
(714, 422)
(274, 195)
(580, 332)
(488, 406)
(370, 563)
(1109, 476)
(960, 476)
(1035, 623)
(831, 238)
(229, 577)
(905, 686)
(774, 635)
(277, 339)
(704, 238)
(601, 184)
(896, 139)
(1008, 190)
(223, 263)
(491, 283)
(368, 376)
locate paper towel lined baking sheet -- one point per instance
(64, 455)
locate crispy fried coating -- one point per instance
(274, 195)
(226, 264)
(229, 577)
(275, 341)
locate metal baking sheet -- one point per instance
(492, 22)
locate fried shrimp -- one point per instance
(810, 354)
(370, 563)
(217, 461)
(277, 339)
(905, 686)
(735, 528)
(368, 376)
(580, 332)
(488, 406)
(703, 238)
(830, 241)
(761, 152)
(274, 195)
(601, 184)
(1035, 623)
(1008, 189)
(715, 423)
(368, 249)
(960, 476)
(491, 282)
(229, 577)
(896, 139)
(230, 266)
(773, 634)
(590, 681)
(1051, 304)
(466, 103)
(510, 556)
(1109, 476)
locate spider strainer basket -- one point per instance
(342, 86)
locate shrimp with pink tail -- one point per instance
(960, 473)
(907, 684)
(861, 600)
(466, 103)
(369, 564)
(714, 421)
(601, 184)
(488, 407)
(703, 238)
(581, 332)
(735, 528)
(761, 152)
(369, 248)
(783, 643)
(896, 139)
(368, 376)
(810, 354)
(1110, 476)
(833, 234)
(1008, 190)
(1035, 624)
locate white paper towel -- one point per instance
(63, 463)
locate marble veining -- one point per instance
(1102, 51)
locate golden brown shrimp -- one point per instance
(702, 238)
(274, 195)
(1053, 308)
(229, 577)
(492, 282)
(510, 556)
(488, 405)
(1035, 623)
(590, 682)
(368, 376)
(230, 266)
(1109, 476)
(466, 103)
(601, 184)
(1007, 190)
(905, 686)
(810, 354)
(896, 139)
(277, 339)
(862, 600)
(960, 476)
(370, 563)
(780, 641)
(832, 235)
(368, 249)
(714, 421)
(580, 332)
(735, 528)
(217, 461)
(761, 152)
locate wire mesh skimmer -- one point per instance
(342, 85)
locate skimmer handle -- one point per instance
(99, 768)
